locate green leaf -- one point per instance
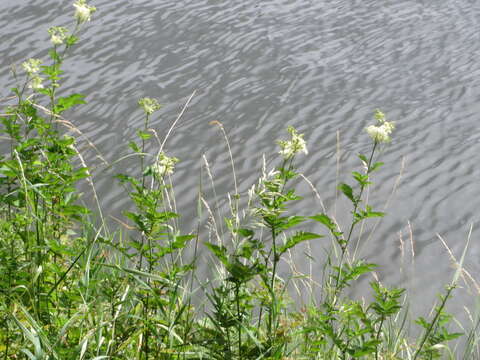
(71, 40)
(65, 103)
(325, 220)
(348, 192)
(362, 179)
(367, 213)
(363, 158)
(248, 247)
(144, 135)
(247, 233)
(376, 166)
(352, 272)
(296, 239)
(134, 146)
(180, 241)
(219, 251)
(240, 272)
(290, 221)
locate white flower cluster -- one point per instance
(32, 67)
(83, 11)
(289, 148)
(36, 83)
(164, 165)
(58, 34)
(149, 105)
(380, 133)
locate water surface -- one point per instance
(259, 66)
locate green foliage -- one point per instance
(73, 288)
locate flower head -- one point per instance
(32, 66)
(289, 148)
(164, 165)
(380, 133)
(58, 34)
(149, 105)
(83, 11)
(36, 83)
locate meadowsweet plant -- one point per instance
(40, 213)
(253, 258)
(158, 245)
(83, 11)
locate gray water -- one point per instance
(259, 66)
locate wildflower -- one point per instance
(380, 133)
(58, 34)
(164, 165)
(36, 83)
(149, 105)
(32, 66)
(289, 148)
(83, 11)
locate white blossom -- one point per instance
(380, 133)
(58, 34)
(32, 66)
(164, 165)
(289, 148)
(36, 83)
(149, 105)
(83, 11)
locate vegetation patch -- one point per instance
(75, 287)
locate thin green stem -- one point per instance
(239, 323)
(344, 244)
(434, 321)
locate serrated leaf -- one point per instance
(219, 251)
(296, 239)
(245, 232)
(291, 221)
(347, 191)
(65, 103)
(325, 220)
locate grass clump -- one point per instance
(74, 288)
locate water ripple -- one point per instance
(259, 66)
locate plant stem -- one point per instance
(344, 245)
(239, 324)
(434, 321)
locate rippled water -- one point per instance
(322, 66)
